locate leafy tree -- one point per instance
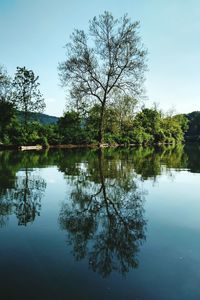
(147, 125)
(172, 129)
(6, 115)
(109, 58)
(70, 126)
(6, 106)
(183, 121)
(5, 85)
(27, 96)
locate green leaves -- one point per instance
(27, 96)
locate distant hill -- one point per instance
(39, 117)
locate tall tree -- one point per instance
(5, 85)
(28, 97)
(110, 57)
(6, 106)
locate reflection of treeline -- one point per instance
(144, 160)
(151, 162)
(118, 164)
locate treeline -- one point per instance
(148, 126)
(123, 126)
(21, 103)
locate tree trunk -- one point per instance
(25, 103)
(25, 120)
(102, 180)
(101, 125)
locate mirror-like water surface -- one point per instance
(90, 224)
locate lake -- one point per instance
(91, 224)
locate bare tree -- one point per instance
(110, 57)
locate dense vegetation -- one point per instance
(147, 126)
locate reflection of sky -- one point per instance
(33, 34)
(175, 200)
(170, 256)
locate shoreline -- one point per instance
(71, 146)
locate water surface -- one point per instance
(112, 224)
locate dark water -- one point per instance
(84, 224)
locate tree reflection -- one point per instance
(5, 210)
(149, 162)
(21, 190)
(104, 219)
(27, 196)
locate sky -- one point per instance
(33, 34)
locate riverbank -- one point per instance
(70, 146)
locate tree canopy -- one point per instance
(27, 96)
(109, 57)
(5, 85)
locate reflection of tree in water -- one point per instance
(5, 210)
(7, 181)
(151, 162)
(20, 193)
(27, 197)
(104, 218)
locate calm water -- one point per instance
(84, 224)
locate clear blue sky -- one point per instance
(33, 34)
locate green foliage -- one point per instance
(5, 85)
(148, 126)
(71, 129)
(27, 96)
(6, 107)
(6, 117)
(152, 127)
